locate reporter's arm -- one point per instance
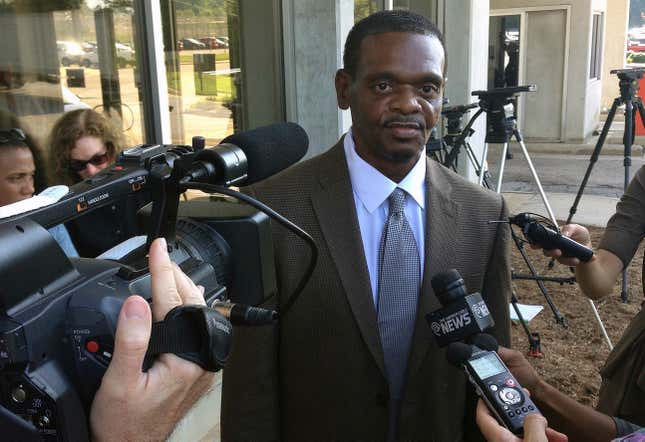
(131, 404)
(596, 277)
(577, 421)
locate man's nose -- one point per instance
(407, 101)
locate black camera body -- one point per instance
(58, 315)
(499, 104)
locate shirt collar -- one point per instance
(372, 187)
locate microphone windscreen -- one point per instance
(441, 281)
(485, 341)
(270, 149)
(458, 353)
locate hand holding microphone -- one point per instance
(569, 247)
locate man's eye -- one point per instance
(382, 86)
(429, 88)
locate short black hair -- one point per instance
(386, 21)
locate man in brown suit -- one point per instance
(321, 374)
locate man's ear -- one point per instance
(343, 82)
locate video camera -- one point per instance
(58, 315)
(499, 105)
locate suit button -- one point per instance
(382, 399)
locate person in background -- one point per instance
(622, 391)
(20, 177)
(83, 143)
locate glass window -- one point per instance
(504, 51)
(202, 47)
(595, 64)
(62, 55)
(363, 8)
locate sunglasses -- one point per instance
(12, 136)
(96, 160)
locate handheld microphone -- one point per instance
(537, 233)
(240, 314)
(462, 314)
(250, 156)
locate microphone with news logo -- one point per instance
(462, 314)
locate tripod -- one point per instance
(628, 84)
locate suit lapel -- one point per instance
(336, 214)
(440, 239)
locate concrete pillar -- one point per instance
(465, 27)
(314, 34)
(614, 51)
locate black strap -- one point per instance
(176, 335)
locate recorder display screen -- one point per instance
(487, 366)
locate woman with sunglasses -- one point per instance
(83, 143)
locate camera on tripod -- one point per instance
(58, 315)
(500, 106)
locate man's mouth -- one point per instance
(404, 129)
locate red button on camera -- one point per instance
(92, 346)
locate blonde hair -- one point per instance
(68, 130)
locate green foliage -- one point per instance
(636, 57)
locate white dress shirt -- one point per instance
(371, 191)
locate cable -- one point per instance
(211, 188)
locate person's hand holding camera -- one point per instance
(136, 405)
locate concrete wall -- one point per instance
(582, 102)
(465, 27)
(614, 53)
(314, 33)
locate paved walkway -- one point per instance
(593, 210)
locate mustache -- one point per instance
(405, 120)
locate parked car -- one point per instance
(125, 55)
(69, 52)
(214, 42)
(71, 101)
(636, 46)
(191, 43)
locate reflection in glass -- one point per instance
(504, 51)
(61, 55)
(203, 69)
(363, 8)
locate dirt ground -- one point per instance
(573, 356)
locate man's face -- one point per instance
(16, 174)
(395, 97)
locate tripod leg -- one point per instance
(534, 340)
(500, 173)
(628, 140)
(560, 319)
(479, 168)
(480, 179)
(594, 157)
(601, 325)
(518, 137)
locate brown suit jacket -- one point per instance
(319, 374)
